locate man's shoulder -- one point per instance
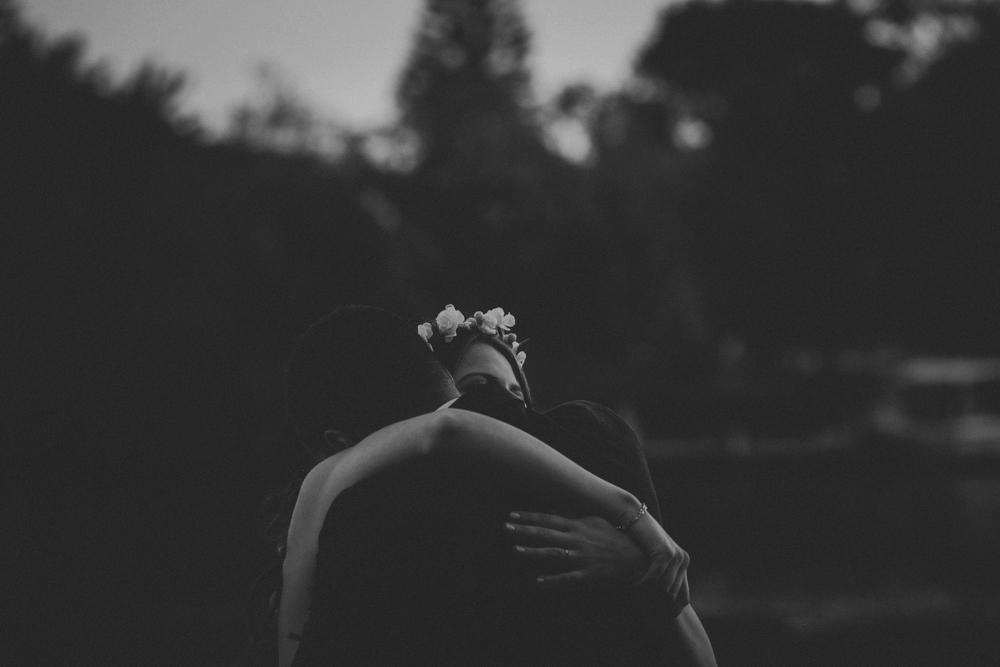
(581, 407)
(606, 445)
(593, 419)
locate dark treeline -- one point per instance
(778, 176)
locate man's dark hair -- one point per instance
(358, 369)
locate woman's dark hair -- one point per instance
(358, 369)
(451, 354)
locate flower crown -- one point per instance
(494, 322)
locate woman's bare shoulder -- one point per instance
(311, 505)
(316, 485)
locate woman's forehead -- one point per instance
(484, 358)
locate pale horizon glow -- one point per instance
(342, 57)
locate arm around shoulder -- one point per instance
(508, 451)
(693, 647)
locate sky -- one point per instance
(342, 57)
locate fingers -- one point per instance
(658, 564)
(551, 521)
(683, 597)
(546, 553)
(680, 576)
(556, 563)
(563, 578)
(675, 587)
(535, 535)
(671, 574)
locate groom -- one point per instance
(413, 566)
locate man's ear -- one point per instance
(338, 441)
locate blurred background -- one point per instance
(767, 236)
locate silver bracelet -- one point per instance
(628, 524)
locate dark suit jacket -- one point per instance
(415, 569)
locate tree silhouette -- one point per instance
(277, 120)
(937, 195)
(484, 185)
(156, 283)
(466, 86)
(782, 220)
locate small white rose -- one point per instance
(448, 321)
(426, 331)
(489, 323)
(475, 322)
(504, 321)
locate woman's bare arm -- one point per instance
(590, 551)
(447, 435)
(491, 445)
(694, 646)
(298, 570)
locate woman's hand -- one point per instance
(577, 551)
(592, 551)
(666, 575)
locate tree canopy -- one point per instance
(780, 181)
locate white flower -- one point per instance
(448, 321)
(476, 321)
(426, 331)
(503, 321)
(489, 322)
(520, 358)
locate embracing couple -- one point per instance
(449, 522)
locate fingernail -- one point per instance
(519, 550)
(509, 526)
(540, 580)
(515, 515)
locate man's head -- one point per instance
(357, 370)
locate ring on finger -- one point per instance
(566, 553)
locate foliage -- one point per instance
(279, 121)
(155, 285)
(466, 78)
(768, 182)
(810, 122)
